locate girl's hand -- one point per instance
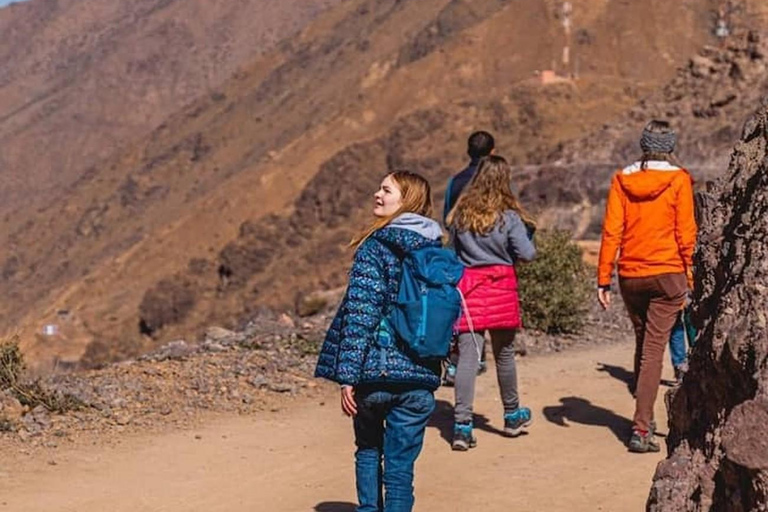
(604, 297)
(348, 404)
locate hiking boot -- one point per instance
(516, 422)
(449, 379)
(463, 439)
(643, 442)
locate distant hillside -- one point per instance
(81, 78)
(248, 196)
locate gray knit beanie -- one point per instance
(654, 142)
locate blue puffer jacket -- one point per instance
(354, 351)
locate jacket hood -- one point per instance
(424, 226)
(648, 183)
(410, 231)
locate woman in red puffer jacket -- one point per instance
(491, 233)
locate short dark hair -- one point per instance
(480, 144)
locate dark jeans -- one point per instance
(653, 304)
(389, 429)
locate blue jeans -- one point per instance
(389, 429)
(677, 349)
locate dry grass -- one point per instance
(30, 393)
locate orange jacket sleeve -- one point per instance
(685, 225)
(613, 229)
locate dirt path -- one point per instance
(301, 459)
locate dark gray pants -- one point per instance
(503, 343)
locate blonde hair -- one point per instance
(486, 198)
(416, 198)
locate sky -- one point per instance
(3, 3)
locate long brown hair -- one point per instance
(416, 198)
(486, 198)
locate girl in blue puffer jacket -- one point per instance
(381, 384)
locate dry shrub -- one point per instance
(167, 303)
(29, 393)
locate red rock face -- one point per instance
(718, 450)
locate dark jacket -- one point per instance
(456, 186)
(354, 352)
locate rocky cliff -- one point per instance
(718, 451)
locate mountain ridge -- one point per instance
(367, 86)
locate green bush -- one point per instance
(554, 288)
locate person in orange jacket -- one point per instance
(649, 222)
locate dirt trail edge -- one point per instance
(301, 459)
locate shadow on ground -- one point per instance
(335, 506)
(580, 410)
(627, 377)
(619, 373)
(442, 420)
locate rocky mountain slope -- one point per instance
(718, 455)
(707, 101)
(80, 79)
(248, 196)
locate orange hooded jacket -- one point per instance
(649, 221)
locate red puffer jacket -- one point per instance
(491, 296)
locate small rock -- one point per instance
(175, 351)
(118, 403)
(311, 304)
(258, 381)
(212, 346)
(10, 407)
(281, 388)
(123, 419)
(286, 320)
(40, 416)
(218, 333)
(701, 66)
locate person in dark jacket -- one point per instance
(389, 394)
(491, 233)
(479, 145)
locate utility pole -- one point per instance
(567, 12)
